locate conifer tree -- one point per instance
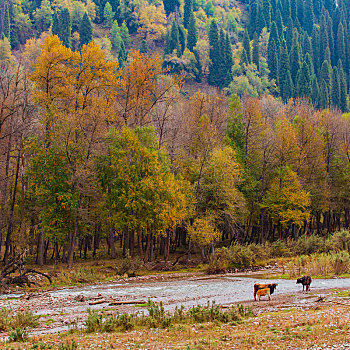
(174, 39)
(304, 81)
(122, 54)
(343, 87)
(295, 56)
(253, 16)
(289, 34)
(192, 35)
(199, 72)
(85, 32)
(267, 13)
(108, 15)
(188, 10)
(284, 73)
(182, 39)
(335, 92)
(244, 58)
(256, 51)
(6, 29)
(124, 33)
(324, 95)
(246, 46)
(340, 43)
(326, 75)
(315, 92)
(315, 39)
(308, 13)
(274, 36)
(214, 54)
(66, 27)
(279, 23)
(171, 6)
(272, 59)
(56, 28)
(115, 35)
(228, 58)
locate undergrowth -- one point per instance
(157, 317)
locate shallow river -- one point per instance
(188, 292)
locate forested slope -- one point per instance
(100, 140)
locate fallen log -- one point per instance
(127, 302)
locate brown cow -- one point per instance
(262, 292)
(271, 286)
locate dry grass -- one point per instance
(328, 324)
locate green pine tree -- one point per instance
(326, 75)
(174, 38)
(324, 95)
(66, 27)
(295, 56)
(171, 6)
(192, 35)
(304, 81)
(315, 92)
(122, 54)
(6, 29)
(308, 16)
(56, 28)
(256, 52)
(340, 43)
(188, 11)
(199, 70)
(343, 87)
(335, 92)
(108, 15)
(85, 32)
(182, 39)
(272, 59)
(246, 46)
(214, 54)
(267, 13)
(284, 73)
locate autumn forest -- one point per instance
(144, 128)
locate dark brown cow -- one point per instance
(271, 286)
(305, 281)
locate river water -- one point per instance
(193, 291)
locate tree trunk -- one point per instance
(40, 249)
(74, 236)
(9, 228)
(111, 243)
(140, 244)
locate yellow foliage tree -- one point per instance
(152, 21)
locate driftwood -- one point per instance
(16, 265)
(127, 302)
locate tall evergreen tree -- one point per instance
(289, 34)
(199, 72)
(279, 23)
(253, 16)
(256, 51)
(122, 54)
(192, 35)
(267, 13)
(324, 95)
(335, 92)
(315, 39)
(244, 58)
(56, 28)
(188, 11)
(274, 36)
(182, 38)
(304, 81)
(171, 6)
(214, 55)
(315, 92)
(108, 15)
(326, 75)
(174, 39)
(340, 54)
(284, 73)
(343, 87)
(85, 32)
(228, 57)
(295, 56)
(66, 27)
(246, 46)
(272, 59)
(308, 16)
(6, 29)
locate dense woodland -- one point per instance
(104, 143)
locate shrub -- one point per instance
(341, 262)
(309, 245)
(68, 346)
(240, 256)
(280, 249)
(339, 241)
(94, 321)
(18, 335)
